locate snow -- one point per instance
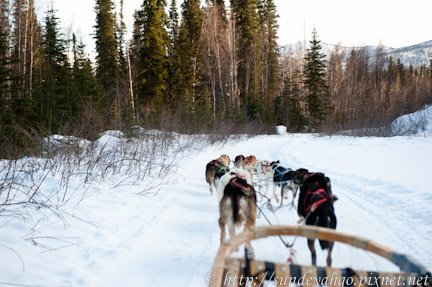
(414, 124)
(117, 235)
(418, 123)
(281, 130)
(55, 141)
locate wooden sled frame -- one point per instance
(228, 271)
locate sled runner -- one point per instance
(230, 271)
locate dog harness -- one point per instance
(282, 174)
(245, 188)
(221, 170)
(314, 197)
(282, 170)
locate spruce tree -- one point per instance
(248, 54)
(173, 24)
(107, 62)
(153, 61)
(189, 54)
(123, 93)
(173, 55)
(289, 105)
(121, 31)
(54, 103)
(84, 80)
(135, 44)
(85, 91)
(317, 97)
(270, 79)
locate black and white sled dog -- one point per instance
(283, 178)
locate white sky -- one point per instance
(393, 23)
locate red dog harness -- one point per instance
(315, 198)
(245, 188)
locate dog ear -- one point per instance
(278, 161)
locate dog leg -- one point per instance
(293, 189)
(231, 229)
(329, 254)
(265, 187)
(283, 193)
(222, 225)
(311, 245)
(250, 224)
(275, 192)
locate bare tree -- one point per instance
(234, 91)
(216, 57)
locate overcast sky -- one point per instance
(393, 23)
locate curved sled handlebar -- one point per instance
(220, 266)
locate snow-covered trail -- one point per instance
(171, 238)
(383, 195)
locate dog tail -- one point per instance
(210, 172)
(235, 193)
(208, 176)
(235, 199)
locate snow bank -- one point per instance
(417, 123)
(170, 238)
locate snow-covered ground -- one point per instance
(117, 236)
(418, 123)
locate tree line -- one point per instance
(202, 68)
(361, 88)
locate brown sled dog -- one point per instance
(211, 168)
(237, 207)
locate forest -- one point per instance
(206, 68)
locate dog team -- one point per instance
(237, 196)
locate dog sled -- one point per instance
(230, 271)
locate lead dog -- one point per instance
(283, 178)
(237, 205)
(249, 164)
(211, 169)
(238, 161)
